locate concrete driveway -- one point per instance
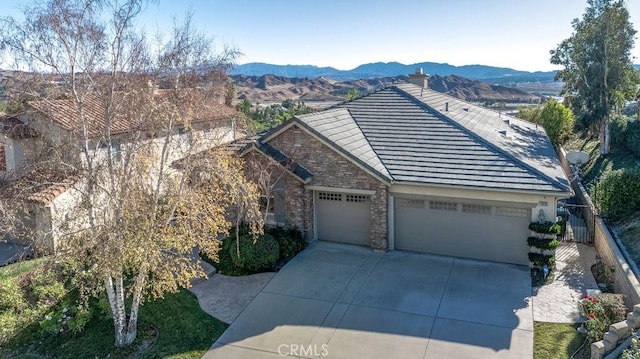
(343, 301)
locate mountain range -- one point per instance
(319, 91)
(391, 69)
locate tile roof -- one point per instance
(341, 128)
(244, 145)
(407, 133)
(39, 186)
(64, 113)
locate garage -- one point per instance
(343, 217)
(482, 230)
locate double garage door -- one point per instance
(488, 231)
(473, 230)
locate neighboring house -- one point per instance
(412, 169)
(16, 143)
(47, 191)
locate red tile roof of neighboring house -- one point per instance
(39, 186)
(127, 118)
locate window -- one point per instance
(357, 198)
(411, 203)
(327, 196)
(267, 208)
(476, 208)
(3, 158)
(513, 212)
(443, 206)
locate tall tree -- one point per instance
(138, 220)
(598, 72)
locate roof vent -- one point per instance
(507, 122)
(466, 109)
(446, 106)
(503, 132)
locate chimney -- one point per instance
(418, 78)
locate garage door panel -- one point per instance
(342, 217)
(472, 231)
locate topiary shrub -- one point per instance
(546, 228)
(545, 244)
(540, 260)
(256, 254)
(291, 243)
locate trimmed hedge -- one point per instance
(543, 243)
(546, 228)
(618, 193)
(256, 254)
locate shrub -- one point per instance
(602, 310)
(546, 228)
(543, 243)
(291, 243)
(633, 352)
(540, 260)
(11, 296)
(256, 256)
(633, 138)
(618, 128)
(618, 193)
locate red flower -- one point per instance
(585, 296)
(592, 316)
(594, 300)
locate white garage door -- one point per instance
(343, 217)
(472, 230)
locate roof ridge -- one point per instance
(476, 136)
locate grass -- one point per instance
(557, 341)
(172, 327)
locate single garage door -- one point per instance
(473, 230)
(343, 217)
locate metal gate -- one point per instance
(574, 218)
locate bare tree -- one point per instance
(132, 107)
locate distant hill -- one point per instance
(391, 69)
(275, 89)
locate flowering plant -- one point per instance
(601, 310)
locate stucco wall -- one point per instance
(331, 169)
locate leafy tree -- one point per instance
(557, 121)
(530, 113)
(139, 219)
(598, 72)
(351, 95)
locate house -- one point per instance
(412, 169)
(42, 163)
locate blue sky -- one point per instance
(347, 33)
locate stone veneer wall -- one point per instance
(625, 281)
(330, 169)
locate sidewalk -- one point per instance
(557, 302)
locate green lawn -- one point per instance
(557, 341)
(183, 331)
